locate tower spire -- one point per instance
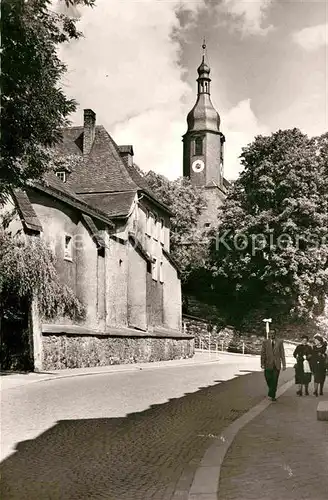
(203, 70)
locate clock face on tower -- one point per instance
(198, 166)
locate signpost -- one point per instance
(267, 327)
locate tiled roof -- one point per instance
(103, 172)
(144, 186)
(26, 210)
(99, 240)
(55, 187)
(114, 204)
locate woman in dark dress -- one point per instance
(303, 353)
(319, 363)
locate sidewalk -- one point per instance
(9, 380)
(282, 453)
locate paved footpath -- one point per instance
(281, 454)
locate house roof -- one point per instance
(96, 236)
(227, 184)
(103, 172)
(114, 204)
(60, 190)
(26, 211)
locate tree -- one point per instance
(34, 106)
(28, 269)
(270, 256)
(188, 244)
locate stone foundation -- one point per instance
(74, 351)
(200, 329)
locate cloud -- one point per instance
(313, 37)
(240, 126)
(127, 69)
(248, 15)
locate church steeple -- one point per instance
(203, 141)
(203, 70)
(203, 115)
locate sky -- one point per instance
(136, 67)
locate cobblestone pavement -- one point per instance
(149, 454)
(282, 454)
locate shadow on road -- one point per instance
(144, 455)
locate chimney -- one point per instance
(126, 153)
(89, 128)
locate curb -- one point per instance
(206, 481)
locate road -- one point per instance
(120, 436)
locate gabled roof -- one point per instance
(114, 204)
(52, 186)
(102, 170)
(26, 211)
(96, 236)
(103, 174)
(227, 184)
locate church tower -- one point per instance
(203, 147)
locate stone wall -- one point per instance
(76, 351)
(200, 329)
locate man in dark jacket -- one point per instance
(272, 358)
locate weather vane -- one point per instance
(204, 45)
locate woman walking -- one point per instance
(319, 363)
(303, 374)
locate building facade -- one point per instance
(111, 238)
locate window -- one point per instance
(154, 270)
(198, 146)
(161, 277)
(68, 254)
(150, 223)
(162, 231)
(61, 174)
(156, 229)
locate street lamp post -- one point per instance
(267, 327)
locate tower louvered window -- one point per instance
(198, 146)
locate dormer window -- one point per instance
(62, 175)
(62, 171)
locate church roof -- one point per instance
(203, 115)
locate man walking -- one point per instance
(272, 357)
